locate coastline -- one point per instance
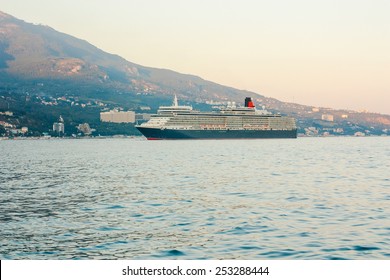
(143, 138)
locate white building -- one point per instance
(326, 117)
(359, 134)
(118, 117)
(7, 113)
(59, 126)
(142, 117)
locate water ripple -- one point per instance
(126, 199)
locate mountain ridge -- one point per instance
(38, 60)
(59, 55)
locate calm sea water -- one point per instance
(306, 198)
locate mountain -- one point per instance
(29, 51)
(42, 71)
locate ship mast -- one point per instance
(175, 103)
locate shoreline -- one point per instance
(73, 138)
(142, 137)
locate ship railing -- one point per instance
(255, 127)
(212, 127)
(175, 127)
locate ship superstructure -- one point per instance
(182, 122)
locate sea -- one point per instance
(129, 198)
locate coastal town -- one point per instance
(74, 117)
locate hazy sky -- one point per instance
(333, 53)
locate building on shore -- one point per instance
(59, 126)
(142, 117)
(327, 117)
(115, 116)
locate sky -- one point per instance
(327, 53)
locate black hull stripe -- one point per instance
(156, 133)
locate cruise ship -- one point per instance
(182, 122)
